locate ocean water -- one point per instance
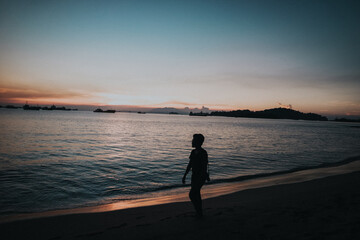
(64, 159)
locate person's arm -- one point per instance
(186, 171)
(208, 174)
(207, 167)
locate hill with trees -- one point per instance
(274, 113)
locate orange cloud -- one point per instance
(180, 104)
(44, 96)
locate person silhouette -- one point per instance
(198, 164)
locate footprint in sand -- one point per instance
(188, 214)
(167, 218)
(119, 226)
(89, 234)
(143, 225)
(218, 214)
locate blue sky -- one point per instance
(221, 54)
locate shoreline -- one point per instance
(209, 190)
(323, 208)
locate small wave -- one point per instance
(260, 175)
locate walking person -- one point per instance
(198, 164)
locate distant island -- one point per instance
(36, 108)
(347, 120)
(99, 110)
(274, 113)
(203, 114)
(53, 107)
(184, 111)
(10, 107)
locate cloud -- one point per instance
(42, 95)
(285, 106)
(177, 103)
(181, 104)
(7, 93)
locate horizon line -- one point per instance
(135, 108)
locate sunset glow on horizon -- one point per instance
(224, 55)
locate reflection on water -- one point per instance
(52, 160)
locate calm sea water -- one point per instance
(59, 159)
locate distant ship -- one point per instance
(28, 107)
(99, 110)
(53, 107)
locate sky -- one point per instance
(220, 54)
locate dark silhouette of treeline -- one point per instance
(10, 106)
(274, 113)
(346, 120)
(28, 107)
(53, 107)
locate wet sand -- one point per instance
(313, 204)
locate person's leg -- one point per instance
(195, 195)
(196, 199)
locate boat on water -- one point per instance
(28, 107)
(99, 110)
(53, 107)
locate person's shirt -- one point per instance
(199, 162)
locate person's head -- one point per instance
(198, 140)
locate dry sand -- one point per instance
(325, 208)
